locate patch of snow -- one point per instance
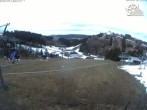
(94, 56)
(73, 47)
(131, 40)
(133, 59)
(99, 58)
(72, 56)
(70, 48)
(73, 51)
(139, 71)
(80, 53)
(144, 45)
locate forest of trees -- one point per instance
(100, 44)
(69, 42)
(110, 46)
(30, 38)
(13, 41)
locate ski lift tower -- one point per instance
(2, 84)
(5, 25)
(4, 39)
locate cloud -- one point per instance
(73, 16)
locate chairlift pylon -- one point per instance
(2, 84)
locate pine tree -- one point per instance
(110, 42)
(123, 44)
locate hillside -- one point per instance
(36, 40)
(109, 45)
(113, 44)
(63, 84)
(71, 36)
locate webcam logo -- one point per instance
(134, 10)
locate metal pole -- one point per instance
(2, 84)
(62, 52)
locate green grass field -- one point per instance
(72, 84)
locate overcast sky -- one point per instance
(49, 17)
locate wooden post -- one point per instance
(2, 85)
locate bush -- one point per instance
(113, 54)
